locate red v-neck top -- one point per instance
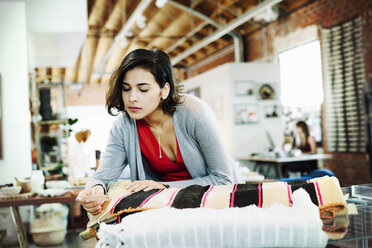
(164, 167)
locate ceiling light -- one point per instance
(160, 3)
(268, 15)
(141, 22)
(124, 43)
(129, 34)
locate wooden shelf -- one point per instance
(51, 122)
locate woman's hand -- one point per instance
(144, 185)
(91, 206)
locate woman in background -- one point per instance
(307, 142)
(165, 138)
(308, 146)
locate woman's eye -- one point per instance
(144, 90)
(125, 89)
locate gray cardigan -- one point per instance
(200, 143)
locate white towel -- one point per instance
(274, 226)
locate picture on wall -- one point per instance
(272, 111)
(267, 91)
(245, 88)
(246, 113)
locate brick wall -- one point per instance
(219, 60)
(349, 168)
(91, 95)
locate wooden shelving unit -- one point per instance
(50, 132)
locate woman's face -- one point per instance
(300, 132)
(141, 93)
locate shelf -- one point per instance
(49, 85)
(51, 122)
(50, 134)
(51, 166)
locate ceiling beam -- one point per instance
(120, 36)
(183, 39)
(238, 41)
(226, 29)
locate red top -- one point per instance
(166, 168)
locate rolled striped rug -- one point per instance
(325, 192)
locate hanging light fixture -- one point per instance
(160, 3)
(141, 22)
(124, 43)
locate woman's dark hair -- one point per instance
(303, 126)
(158, 64)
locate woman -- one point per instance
(307, 142)
(307, 145)
(165, 138)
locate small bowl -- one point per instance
(15, 190)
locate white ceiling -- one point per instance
(56, 31)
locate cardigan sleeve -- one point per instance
(113, 160)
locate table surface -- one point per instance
(68, 197)
(358, 226)
(303, 157)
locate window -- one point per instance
(302, 87)
(301, 76)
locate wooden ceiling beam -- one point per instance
(187, 36)
(120, 36)
(226, 29)
(99, 13)
(178, 28)
(103, 46)
(114, 21)
(156, 24)
(41, 74)
(116, 55)
(71, 75)
(57, 75)
(87, 57)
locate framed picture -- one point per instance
(245, 88)
(246, 113)
(194, 92)
(267, 91)
(272, 111)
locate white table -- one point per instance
(277, 162)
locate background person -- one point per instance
(307, 142)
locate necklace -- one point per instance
(158, 132)
(157, 129)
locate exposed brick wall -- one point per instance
(91, 95)
(218, 60)
(349, 168)
(325, 12)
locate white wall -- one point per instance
(215, 91)
(15, 94)
(251, 138)
(217, 88)
(56, 31)
(96, 119)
